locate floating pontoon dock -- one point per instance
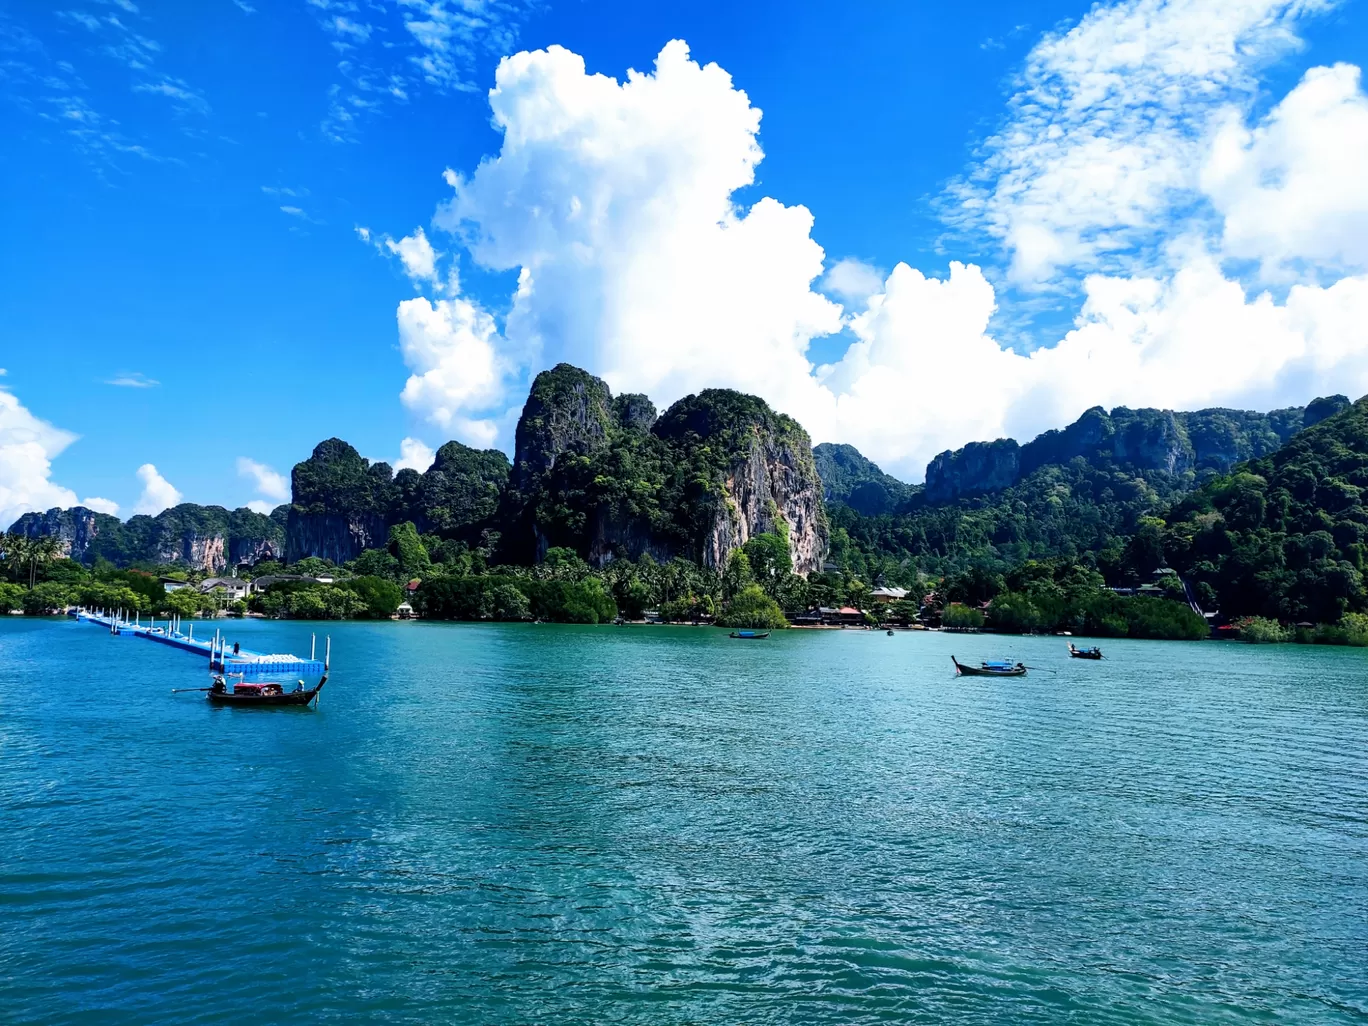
(222, 657)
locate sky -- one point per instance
(238, 227)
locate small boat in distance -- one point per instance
(1084, 653)
(749, 635)
(1003, 668)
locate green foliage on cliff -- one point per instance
(1284, 537)
(608, 479)
(459, 494)
(850, 479)
(337, 479)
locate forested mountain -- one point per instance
(850, 479)
(1284, 536)
(206, 537)
(1079, 493)
(1178, 444)
(1121, 493)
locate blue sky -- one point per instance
(1157, 198)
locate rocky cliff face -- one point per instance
(1136, 441)
(606, 477)
(76, 529)
(343, 504)
(773, 489)
(567, 410)
(767, 480)
(978, 467)
(200, 537)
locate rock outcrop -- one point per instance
(76, 529)
(341, 504)
(1137, 441)
(208, 538)
(978, 467)
(608, 478)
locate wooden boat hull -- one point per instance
(985, 671)
(749, 636)
(298, 699)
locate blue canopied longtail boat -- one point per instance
(749, 635)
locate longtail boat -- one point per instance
(1002, 669)
(749, 635)
(268, 695)
(1084, 653)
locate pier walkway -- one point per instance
(220, 655)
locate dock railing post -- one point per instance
(327, 653)
(313, 645)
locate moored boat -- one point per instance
(1084, 653)
(749, 635)
(993, 669)
(264, 695)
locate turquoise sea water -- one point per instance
(541, 824)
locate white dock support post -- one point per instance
(313, 646)
(327, 653)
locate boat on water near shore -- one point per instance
(1084, 653)
(1003, 668)
(749, 635)
(268, 695)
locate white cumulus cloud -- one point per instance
(267, 481)
(157, 494)
(28, 446)
(1291, 190)
(459, 375)
(260, 506)
(100, 505)
(414, 455)
(1131, 160)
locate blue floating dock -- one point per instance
(220, 657)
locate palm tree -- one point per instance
(42, 550)
(17, 548)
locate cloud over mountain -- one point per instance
(1130, 173)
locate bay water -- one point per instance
(552, 824)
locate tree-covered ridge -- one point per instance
(850, 479)
(1284, 536)
(209, 536)
(1180, 444)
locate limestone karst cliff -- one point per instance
(609, 478)
(209, 538)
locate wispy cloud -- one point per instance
(405, 45)
(186, 99)
(1102, 142)
(245, 7)
(132, 379)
